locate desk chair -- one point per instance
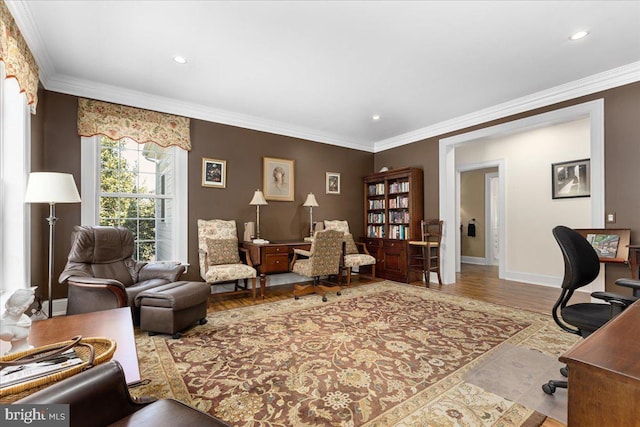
(581, 267)
(322, 260)
(428, 259)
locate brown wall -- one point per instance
(243, 150)
(622, 151)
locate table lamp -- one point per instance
(52, 188)
(257, 201)
(310, 203)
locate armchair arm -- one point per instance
(630, 283)
(97, 397)
(247, 256)
(613, 297)
(94, 294)
(160, 270)
(362, 247)
(302, 252)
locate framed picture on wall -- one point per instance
(278, 179)
(571, 179)
(214, 173)
(333, 183)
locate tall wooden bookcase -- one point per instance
(393, 208)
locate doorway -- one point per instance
(593, 111)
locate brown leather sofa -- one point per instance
(102, 274)
(99, 397)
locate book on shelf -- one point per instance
(16, 374)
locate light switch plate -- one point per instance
(611, 218)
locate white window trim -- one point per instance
(15, 165)
(90, 191)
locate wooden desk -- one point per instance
(604, 374)
(634, 261)
(271, 258)
(114, 324)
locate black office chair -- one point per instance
(581, 267)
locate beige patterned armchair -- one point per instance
(355, 253)
(220, 255)
(323, 259)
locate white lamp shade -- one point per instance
(311, 200)
(51, 187)
(258, 199)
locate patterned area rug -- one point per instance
(385, 354)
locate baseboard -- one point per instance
(474, 260)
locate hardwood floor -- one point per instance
(475, 281)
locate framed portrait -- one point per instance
(214, 173)
(571, 179)
(278, 179)
(332, 183)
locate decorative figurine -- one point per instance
(14, 324)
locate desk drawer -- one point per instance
(276, 262)
(276, 250)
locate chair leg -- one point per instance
(348, 276)
(425, 268)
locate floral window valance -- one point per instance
(119, 121)
(18, 60)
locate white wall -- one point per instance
(531, 253)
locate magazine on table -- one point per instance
(12, 375)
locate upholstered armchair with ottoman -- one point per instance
(102, 274)
(99, 397)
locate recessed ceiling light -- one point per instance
(579, 35)
(180, 59)
(375, 117)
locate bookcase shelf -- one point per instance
(393, 210)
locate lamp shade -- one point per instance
(258, 199)
(311, 201)
(51, 187)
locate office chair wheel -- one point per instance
(339, 293)
(202, 321)
(565, 371)
(324, 299)
(177, 335)
(549, 387)
(296, 297)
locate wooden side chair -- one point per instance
(428, 258)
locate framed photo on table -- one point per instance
(332, 183)
(214, 173)
(278, 179)
(571, 179)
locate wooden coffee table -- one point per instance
(114, 324)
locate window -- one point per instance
(14, 169)
(140, 187)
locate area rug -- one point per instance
(385, 354)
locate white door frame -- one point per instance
(488, 215)
(449, 175)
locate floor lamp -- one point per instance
(52, 188)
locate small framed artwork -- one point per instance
(278, 179)
(214, 173)
(333, 183)
(571, 179)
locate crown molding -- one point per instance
(615, 77)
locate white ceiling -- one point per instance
(320, 69)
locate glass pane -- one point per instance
(146, 208)
(147, 251)
(147, 183)
(109, 208)
(147, 229)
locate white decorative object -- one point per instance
(15, 325)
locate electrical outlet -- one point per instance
(611, 218)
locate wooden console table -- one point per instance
(114, 324)
(271, 258)
(634, 261)
(604, 374)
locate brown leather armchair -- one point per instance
(99, 397)
(102, 274)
